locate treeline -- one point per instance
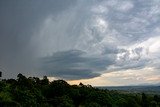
(35, 92)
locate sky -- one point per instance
(96, 42)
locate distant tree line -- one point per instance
(35, 92)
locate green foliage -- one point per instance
(92, 104)
(35, 92)
(121, 102)
(63, 101)
(5, 96)
(2, 85)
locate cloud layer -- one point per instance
(74, 64)
(79, 39)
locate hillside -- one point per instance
(35, 92)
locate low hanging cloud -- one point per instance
(74, 64)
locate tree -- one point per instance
(121, 102)
(44, 81)
(63, 101)
(57, 88)
(144, 100)
(92, 104)
(153, 104)
(156, 98)
(22, 80)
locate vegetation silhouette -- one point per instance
(35, 92)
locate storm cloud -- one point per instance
(19, 20)
(78, 39)
(74, 64)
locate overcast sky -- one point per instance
(97, 42)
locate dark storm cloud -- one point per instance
(73, 64)
(19, 19)
(76, 39)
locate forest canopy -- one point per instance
(36, 92)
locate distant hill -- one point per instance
(135, 89)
